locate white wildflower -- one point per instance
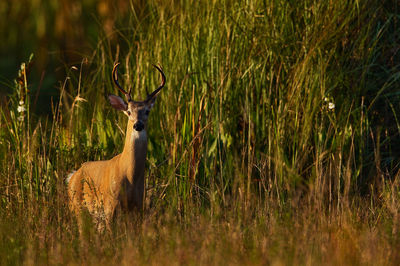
(331, 106)
(21, 109)
(21, 118)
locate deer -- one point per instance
(103, 187)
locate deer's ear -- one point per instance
(151, 101)
(117, 102)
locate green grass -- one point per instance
(247, 163)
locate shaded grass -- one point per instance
(247, 162)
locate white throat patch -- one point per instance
(139, 135)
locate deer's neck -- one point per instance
(133, 157)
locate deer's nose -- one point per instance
(138, 126)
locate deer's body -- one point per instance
(102, 187)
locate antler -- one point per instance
(154, 93)
(115, 79)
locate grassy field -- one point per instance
(275, 141)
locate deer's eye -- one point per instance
(128, 112)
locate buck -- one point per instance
(102, 187)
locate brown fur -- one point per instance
(104, 186)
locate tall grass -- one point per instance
(274, 140)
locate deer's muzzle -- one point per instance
(138, 126)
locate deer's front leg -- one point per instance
(138, 196)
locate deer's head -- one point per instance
(137, 111)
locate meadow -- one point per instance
(274, 142)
